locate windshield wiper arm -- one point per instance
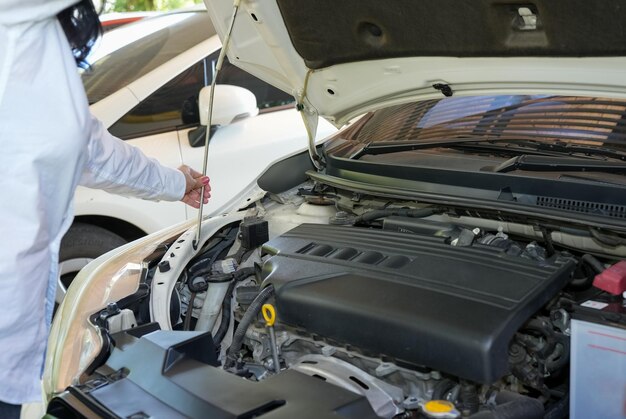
(557, 164)
(561, 147)
(386, 147)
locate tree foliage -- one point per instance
(141, 5)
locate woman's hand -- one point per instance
(194, 183)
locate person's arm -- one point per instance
(120, 168)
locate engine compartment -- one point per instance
(421, 300)
(395, 305)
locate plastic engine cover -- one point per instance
(413, 298)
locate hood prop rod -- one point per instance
(218, 67)
(313, 154)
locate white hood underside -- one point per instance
(261, 45)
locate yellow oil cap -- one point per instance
(440, 409)
(269, 314)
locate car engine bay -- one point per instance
(370, 308)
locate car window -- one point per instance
(174, 105)
(156, 41)
(267, 96)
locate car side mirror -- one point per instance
(230, 104)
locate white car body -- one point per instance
(239, 153)
(236, 160)
(262, 46)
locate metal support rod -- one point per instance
(218, 67)
(274, 350)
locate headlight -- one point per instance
(74, 340)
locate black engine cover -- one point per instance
(409, 297)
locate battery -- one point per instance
(598, 358)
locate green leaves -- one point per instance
(142, 5)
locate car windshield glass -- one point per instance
(555, 119)
(130, 52)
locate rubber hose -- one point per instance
(563, 360)
(402, 212)
(441, 388)
(592, 261)
(513, 406)
(247, 319)
(469, 397)
(542, 326)
(187, 322)
(227, 303)
(586, 282)
(226, 312)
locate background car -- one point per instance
(143, 84)
(114, 20)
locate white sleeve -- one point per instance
(120, 168)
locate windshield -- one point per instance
(579, 120)
(128, 53)
(556, 152)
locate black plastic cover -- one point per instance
(254, 232)
(330, 32)
(409, 297)
(169, 374)
(287, 173)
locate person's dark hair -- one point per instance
(82, 28)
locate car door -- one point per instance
(152, 126)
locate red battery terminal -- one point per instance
(613, 279)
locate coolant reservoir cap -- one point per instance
(440, 409)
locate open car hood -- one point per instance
(343, 58)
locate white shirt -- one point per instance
(49, 143)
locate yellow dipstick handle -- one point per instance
(269, 314)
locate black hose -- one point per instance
(556, 361)
(592, 261)
(187, 322)
(442, 388)
(586, 281)
(402, 212)
(469, 397)
(247, 319)
(226, 303)
(544, 347)
(511, 405)
(226, 312)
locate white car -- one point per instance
(143, 84)
(459, 251)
